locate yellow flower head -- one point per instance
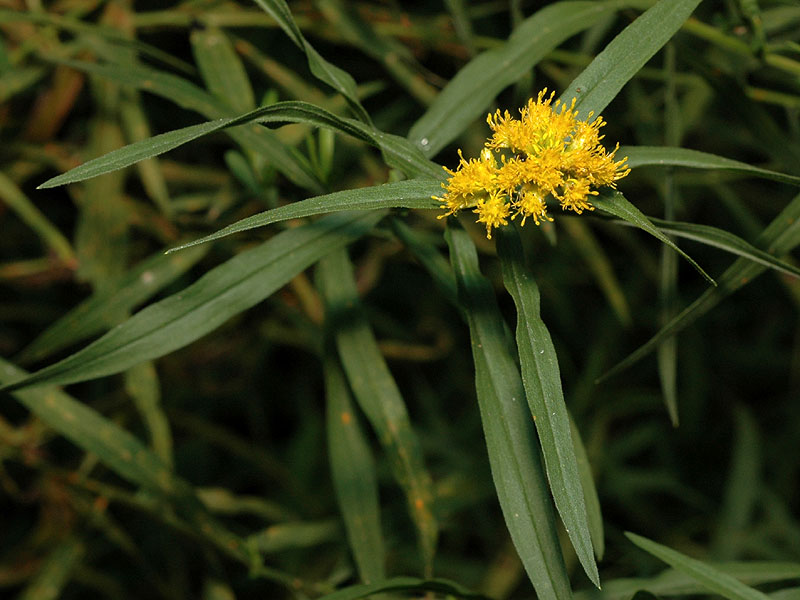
(546, 153)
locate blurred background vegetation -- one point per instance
(240, 413)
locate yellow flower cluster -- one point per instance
(546, 152)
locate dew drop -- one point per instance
(423, 142)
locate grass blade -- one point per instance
(600, 82)
(779, 238)
(412, 193)
(613, 202)
(644, 156)
(378, 396)
(353, 472)
(110, 307)
(470, 93)
(542, 382)
(710, 578)
(226, 290)
(510, 440)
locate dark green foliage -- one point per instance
(269, 401)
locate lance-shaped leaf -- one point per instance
(223, 292)
(397, 151)
(411, 193)
(724, 240)
(600, 82)
(378, 395)
(645, 156)
(470, 93)
(614, 203)
(285, 159)
(110, 307)
(510, 439)
(353, 473)
(542, 381)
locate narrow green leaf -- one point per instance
(222, 69)
(110, 307)
(397, 151)
(353, 473)
(710, 578)
(180, 91)
(724, 240)
(223, 292)
(13, 197)
(335, 77)
(614, 203)
(542, 382)
(469, 94)
(600, 82)
(405, 584)
(378, 395)
(779, 238)
(54, 575)
(676, 583)
(645, 156)
(411, 193)
(510, 439)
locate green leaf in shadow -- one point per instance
(378, 396)
(335, 77)
(353, 473)
(223, 292)
(110, 307)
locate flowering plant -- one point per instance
(547, 152)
